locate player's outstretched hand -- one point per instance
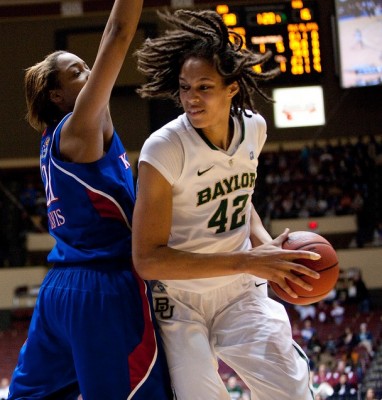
(270, 261)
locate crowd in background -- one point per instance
(324, 180)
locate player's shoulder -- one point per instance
(165, 139)
(172, 129)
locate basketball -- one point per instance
(327, 266)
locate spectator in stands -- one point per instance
(321, 374)
(314, 347)
(370, 394)
(307, 331)
(322, 311)
(331, 344)
(341, 369)
(348, 340)
(235, 390)
(4, 387)
(343, 389)
(365, 338)
(358, 293)
(332, 295)
(337, 312)
(296, 332)
(306, 311)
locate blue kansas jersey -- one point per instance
(92, 330)
(89, 205)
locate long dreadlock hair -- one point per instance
(200, 34)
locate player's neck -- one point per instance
(220, 136)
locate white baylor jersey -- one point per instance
(212, 188)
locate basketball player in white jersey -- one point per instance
(196, 234)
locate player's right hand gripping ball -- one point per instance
(327, 266)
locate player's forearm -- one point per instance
(268, 261)
(124, 17)
(166, 263)
(120, 29)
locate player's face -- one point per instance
(73, 74)
(205, 97)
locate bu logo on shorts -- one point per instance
(163, 308)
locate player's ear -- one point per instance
(233, 89)
(55, 96)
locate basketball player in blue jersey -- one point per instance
(196, 234)
(92, 328)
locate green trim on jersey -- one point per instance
(242, 128)
(211, 145)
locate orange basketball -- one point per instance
(327, 266)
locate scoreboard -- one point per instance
(290, 30)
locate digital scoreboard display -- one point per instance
(290, 30)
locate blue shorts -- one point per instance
(92, 333)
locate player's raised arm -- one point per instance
(87, 132)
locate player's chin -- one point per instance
(197, 119)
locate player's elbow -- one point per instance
(119, 31)
(144, 265)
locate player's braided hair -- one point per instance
(200, 34)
